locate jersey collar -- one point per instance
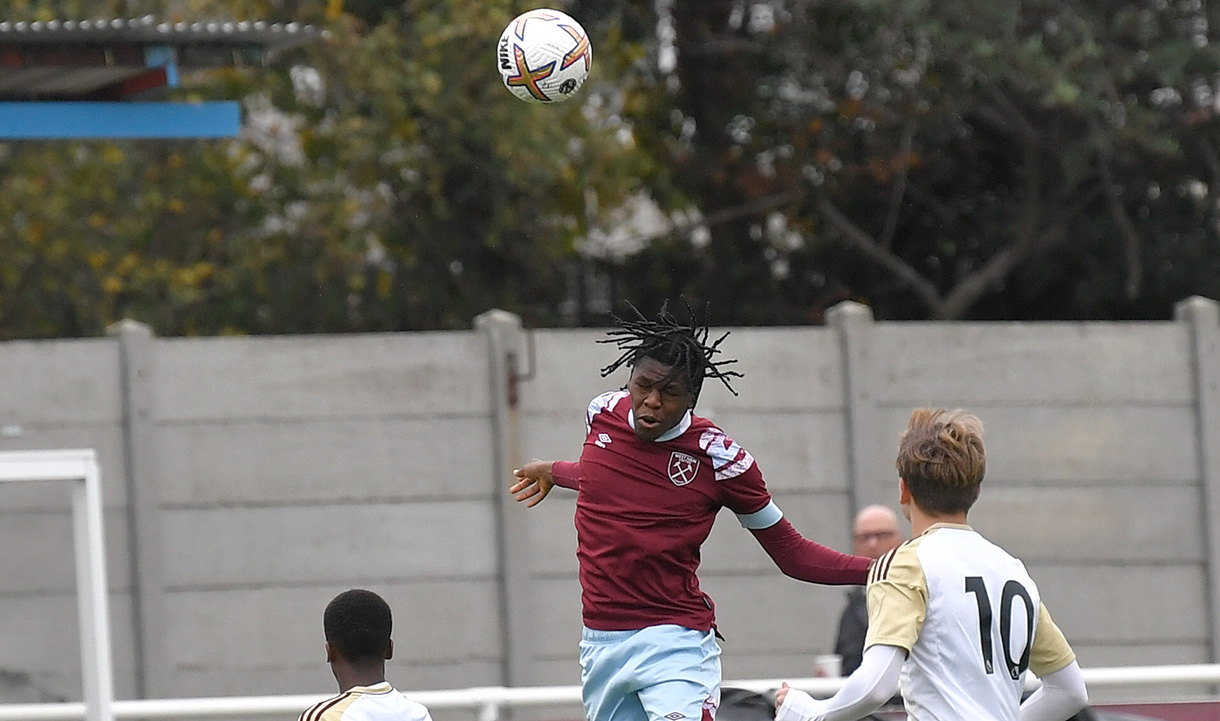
(958, 526)
(668, 435)
(375, 689)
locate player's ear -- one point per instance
(904, 493)
(389, 650)
(330, 653)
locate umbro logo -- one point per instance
(603, 440)
(674, 716)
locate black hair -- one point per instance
(357, 624)
(681, 346)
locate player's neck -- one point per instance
(921, 520)
(350, 676)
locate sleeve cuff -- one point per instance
(765, 517)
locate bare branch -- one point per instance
(1024, 128)
(719, 217)
(899, 191)
(973, 286)
(1212, 161)
(874, 251)
(1131, 238)
(999, 266)
(947, 215)
(750, 207)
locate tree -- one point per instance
(383, 181)
(945, 160)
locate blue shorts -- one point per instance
(659, 673)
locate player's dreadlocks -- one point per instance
(682, 347)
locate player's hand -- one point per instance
(534, 482)
(793, 704)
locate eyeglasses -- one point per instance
(878, 536)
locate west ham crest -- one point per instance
(682, 468)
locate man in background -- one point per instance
(874, 534)
(357, 625)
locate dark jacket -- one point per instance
(853, 625)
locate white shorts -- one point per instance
(658, 673)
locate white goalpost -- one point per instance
(78, 467)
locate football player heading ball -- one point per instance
(649, 482)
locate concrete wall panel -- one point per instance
(419, 374)
(1033, 363)
(282, 627)
(1100, 445)
(201, 681)
(1039, 523)
(61, 382)
(552, 534)
(391, 459)
(820, 517)
(783, 370)
(251, 547)
(566, 372)
(43, 555)
(42, 641)
(559, 616)
(795, 450)
(765, 613)
(1133, 604)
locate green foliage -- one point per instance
(967, 159)
(395, 186)
(960, 160)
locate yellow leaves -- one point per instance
(35, 231)
(408, 128)
(385, 284)
(203, 271)
(431, 83)
(113, 154)
(97, 221)
(175, 206)
(98, 260)
(128, 264)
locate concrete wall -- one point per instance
(249, 480)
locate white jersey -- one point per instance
(379, 702)
(971, 620)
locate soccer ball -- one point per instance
(544, 56)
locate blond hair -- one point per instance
(942, 460)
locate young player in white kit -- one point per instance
(952, 618)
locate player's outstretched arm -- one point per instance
(536, 479)
(866, 690)
(806, 560)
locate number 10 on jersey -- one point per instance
(1011, 592)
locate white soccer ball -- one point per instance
(544, 56)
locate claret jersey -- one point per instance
(645, 508)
